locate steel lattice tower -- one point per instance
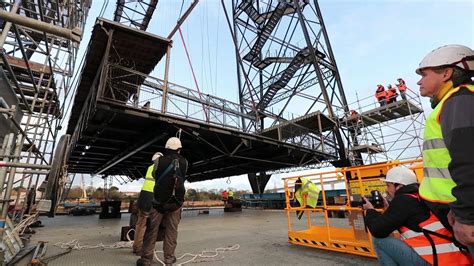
(285, 63)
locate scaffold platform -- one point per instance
(316, 122)
(385, 113)
(364, 148)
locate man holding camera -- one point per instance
(425, 240)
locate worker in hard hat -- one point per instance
(144, 205)
(168, 199)
(225, 196)
(391, 94)
(425, 241)
(381, 95)
(402, 88)
(231, 196)
(448, 147)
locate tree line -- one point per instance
(115, 194)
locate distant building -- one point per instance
(130, 194)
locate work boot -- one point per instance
(143, 262)
(138, 253)
(170, 263)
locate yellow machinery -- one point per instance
(317, 228)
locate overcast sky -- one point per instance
(374, 41)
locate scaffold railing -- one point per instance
(125, 86)
(38, 47)
(381, 132)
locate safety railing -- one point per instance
(133, 89)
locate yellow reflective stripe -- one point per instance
(149, 171)
(436, 158)
(440, 249)
(311, 191)
(436, 172)
(148, 185)
(433, 144)
(437, 189)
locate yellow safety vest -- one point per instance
(231, 194)
(149, 183)
(308, 189)
(437, 183)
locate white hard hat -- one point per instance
(156, 156)
(400, 175)
(173, 143)
(449, 55)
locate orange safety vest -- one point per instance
(380, 93)
(402, 87)
(447, 252)
(391, 93)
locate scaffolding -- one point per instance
(389, 132)
(39, 41)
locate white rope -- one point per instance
(74, 244)
(205, 255)
(25, 223)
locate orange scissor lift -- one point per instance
(319, 227)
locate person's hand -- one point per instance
(464, 233)
(451, 218)
(367, 205)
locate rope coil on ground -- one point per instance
(213, 253)
(74, 244)
(205, 255)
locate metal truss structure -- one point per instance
(135, 13)
(39, 40)
(285, 63)
(121, 116)
(390, 132)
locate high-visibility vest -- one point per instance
(447, 253)
(437, 183)
(391, 93)
(402, 87)
(308, 190)
(231, 193)
(380, 93)
(149, 183)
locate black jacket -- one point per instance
(403, 210)
(164, 185)
(457, 125)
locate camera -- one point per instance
(375, 198)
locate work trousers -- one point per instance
(392, 252)
(171, 221)
(403, 94)
(140, 228)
